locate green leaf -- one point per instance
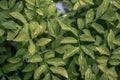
(47, 77)
(23, 34)
(117, 41)
(83, 64)
(114, 62)
(89, 2)
(68, 40)
(103, 50)
(88, 51)
(14, 59)
(86, 38)
(56, 62)
(116, 51)
(102, 8)
(98, 40)
(55, 77)
(80, 23)
(99, 28)
(59, 70)
(18, 7)
(36, 30)
(1, 32)
(71, 52)
(51, 9)
(102, 60)
(39, 11)
(116, 3)
(32, 47)
(3, 4)
(11, 3)
(48, 55)
(89, 16)
(11, 67)
(12, 34)
(39, 71)
(18, 16)
(89, 75)
(110, 38)
(28, 75)
(35, 59)
(103, 77)
(10, 25)
(43, 41)
(115, 56)
(29, 68)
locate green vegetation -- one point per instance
(38, 42)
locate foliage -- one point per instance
(37, 42)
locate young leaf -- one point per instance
(86, 38)
(18, 16)
(89, 2)
(89, 16)
(71, 52)
(56, 62)
(88, 51)
(43, 41)
(35, 58)
(103, 50)
(3, 4)
(99, 28)
(69, 40)
(102, 8)
(39, 71)
(59, 70)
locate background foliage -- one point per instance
(38, 42)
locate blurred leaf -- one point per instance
(29, 68)
(14, 59)
(47, 77)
